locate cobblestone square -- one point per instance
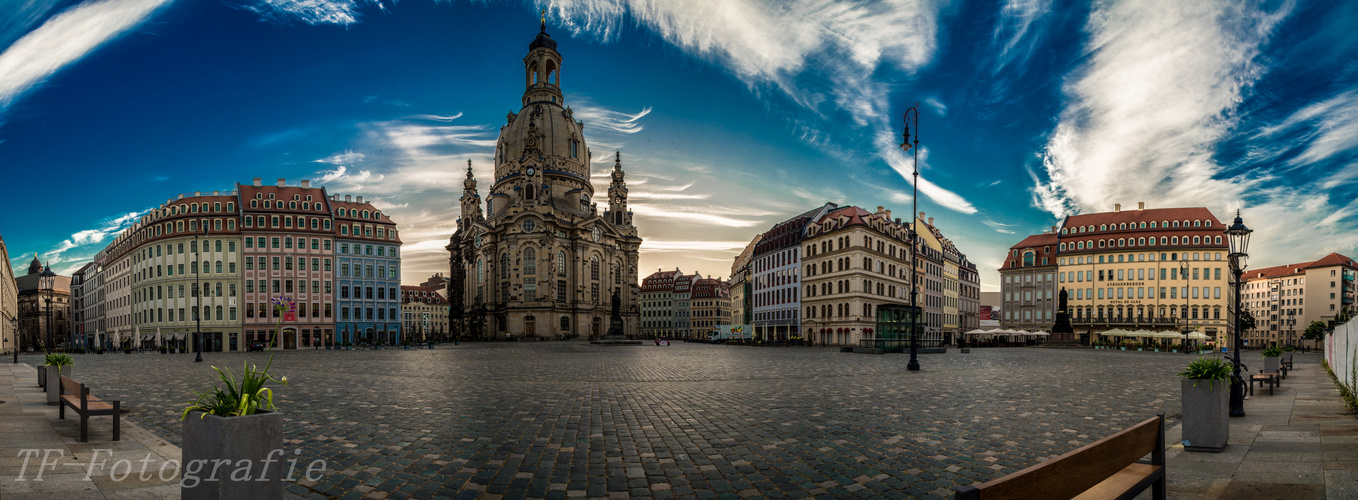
(558, 420)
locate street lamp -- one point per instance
(1239, 238)
(1183, 271)
(14, 325)
(198, 289)
(47, 282)
(913, 148)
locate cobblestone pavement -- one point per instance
(561, 420)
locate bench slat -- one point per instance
(1125, 480)
(1075, 472)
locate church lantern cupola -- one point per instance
(542, 70)
(618, 215)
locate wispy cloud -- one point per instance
(65, 38)
(81, 246)
(603, 118)
(1143, 108)
(346, 157)
(825, 56)
(999, 227)
(342, 12)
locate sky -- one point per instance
(730, 115)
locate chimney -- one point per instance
(880, 208)
(282, 183)
(358, 199)
(1055, 230)
(348, 198)
(306, 184)
(931, 221)
(1117, 207)
(1140, 205)
(888, 214)
(259, 182)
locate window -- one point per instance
(530, 265)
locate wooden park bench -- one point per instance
(1262, 378)
(77, 396)
(1108, 468)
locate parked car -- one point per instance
(255, 346)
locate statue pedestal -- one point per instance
(615, 335)
(1062, 333)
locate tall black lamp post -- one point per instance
(14, 325)
(47, 282)
(1239, 238)
(198, 289)
(1183, 271)
(913, 148)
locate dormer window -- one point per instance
(575, 146)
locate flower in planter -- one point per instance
(1273, 352)
(249, 395)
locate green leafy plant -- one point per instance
(1207, 368)
(249, 395)
(1288, 349)
(58, 359)
(1272, 352)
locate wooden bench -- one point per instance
(1262, 378)
(77, 396)
(1287, 362)
(1108, 468)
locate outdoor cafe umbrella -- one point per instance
(1197, 336)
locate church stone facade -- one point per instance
(542, 259)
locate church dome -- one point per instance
(546, 131)
(35, 267)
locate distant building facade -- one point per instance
(43, 314)
(657, 304)
(1143, 269)
(710, 304)
(9, 303)
(424, 313)
(1285, 300)
(776, 274)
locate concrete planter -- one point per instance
(1271, 364)
(431, 346)
(1206, 418)
(54, 382)
(253, 438)
(42, 376)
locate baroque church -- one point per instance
(541, 260)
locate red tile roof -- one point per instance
(1151, 214)
(1044, 244)
(1333, 259)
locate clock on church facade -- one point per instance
(541, 260)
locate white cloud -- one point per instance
(999, 227)
(603, 118)
(816, 52)
(1144, 112)
(78, 249)
(342, 12)
(347, 157)
(65, 38)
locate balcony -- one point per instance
(1127, 320)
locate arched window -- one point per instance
(1218, 239)
(1103, 227)
(1174, 240)
(1140, 242)
(1176, 223)
(1028, 259)
(530, 264)
(1164, 240)
(1197, 223)
(480, 271)
(1152, 224)
(504, 266)
(565, 323)
(1062, 247)
(1123, 226)
(528, 192)
(561, 263)
(1196, 240)
(1100, 243)
(594, 268)
(1122, 242)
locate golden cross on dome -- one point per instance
(544, 20)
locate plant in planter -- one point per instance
(1206, 394)
(54, 366)
(238, 423)
(1271, 357)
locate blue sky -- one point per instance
(731, 115)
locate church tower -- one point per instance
(471, 200)
(618, 215)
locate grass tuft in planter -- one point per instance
(1206, 420)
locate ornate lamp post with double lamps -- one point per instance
(1239, 238)
(913, 148)
(47, 282)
